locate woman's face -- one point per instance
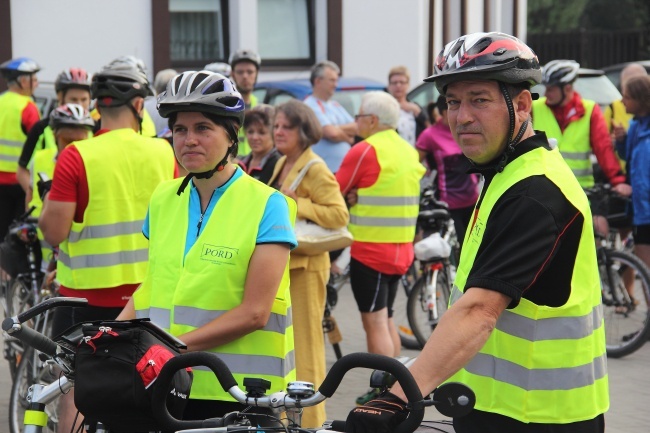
(632, 106)
(287, 137)
(259, 138)
(199, 143)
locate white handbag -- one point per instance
(312, 238)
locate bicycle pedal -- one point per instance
(334, 335)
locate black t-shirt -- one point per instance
(30, 143)
(485, 422)
(531, 239)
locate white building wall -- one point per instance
(88, 34)
(380, 34)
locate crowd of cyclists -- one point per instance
(198, 235)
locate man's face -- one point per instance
(364, 123)
(554, 95)
(77, 96)
(632, 106)
(326, 84)
(245, 75)
(478, 118)
(28, 82)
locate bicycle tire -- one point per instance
(31, 370)
(418, 313)
(19, 299)
(400, 313)
(627, 325)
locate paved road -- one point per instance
(629, 379)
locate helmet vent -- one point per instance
(177, 83)
(229, 101)
(215, 87)
(198, 79)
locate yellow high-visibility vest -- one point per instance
(181, 294)
(387, 211)
(541, 364)
(574, 143)
(107, 249)
(12, 136)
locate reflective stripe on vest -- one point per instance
(12, 136)
(387, 211)
(182, 293)
(574, 143)
(107, 249)
(541, 364)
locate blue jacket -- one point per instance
(637, 155)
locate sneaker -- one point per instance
(371, 394)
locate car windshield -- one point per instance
(598, 89)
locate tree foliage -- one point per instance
(546, 16)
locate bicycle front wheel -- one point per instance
(31, 370)
(427, 304)
(625, 285)
(400, 314)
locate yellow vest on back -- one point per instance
(12, 136)
(181, 294)
(541, 364)
(387, 211)
(108, 249)
(43, 162)
(574, 143)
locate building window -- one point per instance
(292, 43)
(198, 32)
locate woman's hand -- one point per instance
(289, 193)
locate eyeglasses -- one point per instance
(357, 116)
(397, 83)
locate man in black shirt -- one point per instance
(525, 326)
(72, 86)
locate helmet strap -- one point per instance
(510, 147)
(137, 116)
(206, 174)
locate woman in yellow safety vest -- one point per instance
(219, 244)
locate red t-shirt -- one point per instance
(360, 169)
(28, 118)
(71, 185)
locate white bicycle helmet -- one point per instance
(245, 55)
(71, 115)
(560, 72)
(202, 91)
(220, 68)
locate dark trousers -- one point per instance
(12, 205)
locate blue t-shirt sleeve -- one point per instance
(275, 227)
(145, 226)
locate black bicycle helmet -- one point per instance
(119, 82)
(71, 115)
(73, 78)
(489, 56)
(560, 72)
(204, 92)
(14, 68)
(245, 55)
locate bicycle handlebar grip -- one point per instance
(384, 363)
(162, 383)
(32, 338)
(51, 303)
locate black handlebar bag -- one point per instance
(115, 367)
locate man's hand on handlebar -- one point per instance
(381, 415)
(623, 189)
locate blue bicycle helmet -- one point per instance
(14, 68)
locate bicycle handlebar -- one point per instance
(13, 325)
(281, 400)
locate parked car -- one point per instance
(613, 72)
(591, 84)
(348, 93)
(45, 97)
